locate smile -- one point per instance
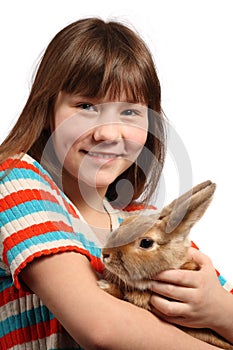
(103, 155)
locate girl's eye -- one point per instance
(130, 112)
(87, 106)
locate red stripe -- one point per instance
(95, 262)
(135, 207)
(23, 196)
(194, 245)
(11, 294)
(38, 331)
(32, 231)
(70, 209)
(9, 164)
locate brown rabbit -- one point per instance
(144, 245)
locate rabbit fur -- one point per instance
(146, 245)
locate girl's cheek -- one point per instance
(135, 141)
(136, 135)
(66, 134)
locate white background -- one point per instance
(191, 41)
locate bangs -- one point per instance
(124, 80)
(108, 65)
(108, 79)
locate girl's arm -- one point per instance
(66, 283)
(204, 302)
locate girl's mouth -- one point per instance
(103, 155)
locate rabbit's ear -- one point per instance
(185, 211)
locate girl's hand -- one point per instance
(190, 298)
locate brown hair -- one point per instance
(94, 58)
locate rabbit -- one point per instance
(145, 245)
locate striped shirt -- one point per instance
(37, 219)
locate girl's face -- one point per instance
(97, 140)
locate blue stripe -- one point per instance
(222, 280)
(3, 272)
(5, 283)
(54, 236)
(41, 169)
(33, 206)
(17, 174)
(25, 319)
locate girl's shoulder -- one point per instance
(22, 172)
(22, 164)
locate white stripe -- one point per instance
(37, 218)
(228, 286)
(15, 185)
(14, 307)
(32, 219)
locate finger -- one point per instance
(159, 314)
(167, 308)
(179, 320)
(172, 291)
(185, 278)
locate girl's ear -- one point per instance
(180, 216)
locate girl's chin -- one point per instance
(98, 183)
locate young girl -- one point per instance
(88, 146)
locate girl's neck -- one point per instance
(89, 201)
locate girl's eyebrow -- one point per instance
(97, 101)
(135, 105)
(83, 98)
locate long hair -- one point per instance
(94, 58)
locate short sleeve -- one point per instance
(37, 219)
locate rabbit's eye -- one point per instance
(146, 243)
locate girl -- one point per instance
(88, 145)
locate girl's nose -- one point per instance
(107, 132)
